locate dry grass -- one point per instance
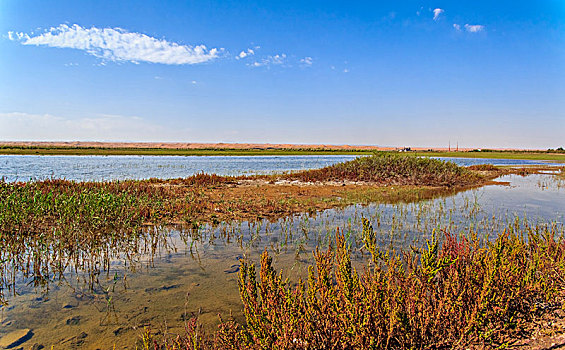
(461, 293)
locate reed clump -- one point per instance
(393, 169)
(454, 292)
(484, 167)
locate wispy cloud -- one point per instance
(278, 59)
(306, 61)
(437, 13)
(456, 26)
(243, 54)
(17, 126)
(116, 44)
(474, 28)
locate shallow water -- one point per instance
(494, 161)
(195, 272)
(106, 168)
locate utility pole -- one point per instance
(449, 146)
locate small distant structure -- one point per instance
(405, 149)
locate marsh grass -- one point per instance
(48, 226)
(484, 167)
(454, 291)
(90, 209)
(43, 247)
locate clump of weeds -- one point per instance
(453, 292)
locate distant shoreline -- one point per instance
(251, 149)
(225, 145)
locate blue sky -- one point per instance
(411, 73)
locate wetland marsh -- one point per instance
(132, 263)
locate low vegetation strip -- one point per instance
(550, 155)
(555, 155)
(113, 151)
(460, 293)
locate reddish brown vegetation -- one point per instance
(461, 293)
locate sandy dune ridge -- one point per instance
(181, 145)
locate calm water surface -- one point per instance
(177, 273)
(106, 168)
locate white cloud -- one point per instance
(456, 26)
(243, 54)
(278, 59)
(346, 70)
(17, 36)
(18, 126)
(475, 28)
(306, 61)
(437, 13)
(116, 44)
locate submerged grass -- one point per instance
(454, 292)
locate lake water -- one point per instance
(106, 168)
(170, 275)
